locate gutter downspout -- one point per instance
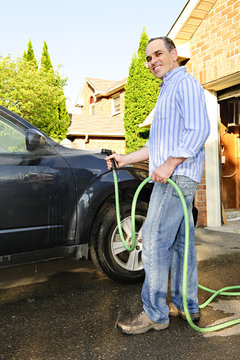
(85, 141)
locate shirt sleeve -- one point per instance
(190, 102)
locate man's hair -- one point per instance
(167, 42)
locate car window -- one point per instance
(12, 138)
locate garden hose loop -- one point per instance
(223, 291)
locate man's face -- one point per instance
(159, 60)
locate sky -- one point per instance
(86, 38)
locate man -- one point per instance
(178, 132)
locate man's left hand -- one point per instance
(164, 171)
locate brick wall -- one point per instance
(86, 94)
(103, 105)
(116, 145)
(200, 202)
(215, 46)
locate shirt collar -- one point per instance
(173, 74)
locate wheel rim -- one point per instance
(130, 261)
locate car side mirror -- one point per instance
(34, 140)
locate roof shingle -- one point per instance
(96, 125)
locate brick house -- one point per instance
(100, 122)
(207, 35)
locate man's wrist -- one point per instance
(173, 162)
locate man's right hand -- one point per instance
(120, 160)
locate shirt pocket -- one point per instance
(165, 110)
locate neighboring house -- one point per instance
(100, 122)
(207, 36)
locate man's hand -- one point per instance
(164, 171)
(120, 160)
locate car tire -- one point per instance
(107, 251)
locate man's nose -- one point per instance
(154, 59)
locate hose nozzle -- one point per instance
(109, 152)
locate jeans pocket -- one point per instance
(185, 184)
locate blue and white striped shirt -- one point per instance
(180, 125)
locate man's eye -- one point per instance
(158, 53)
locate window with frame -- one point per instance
(234, 112)
(116, 105)
(12, 138)
(92, 106)
(230, 112)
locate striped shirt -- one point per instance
(180, 125)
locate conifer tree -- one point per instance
(63, 116)
(45, 59)
(30, 56)
(141, 94)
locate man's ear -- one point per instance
(174, 54)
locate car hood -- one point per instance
(94, 162)
(84, 159)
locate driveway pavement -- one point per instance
(67, 310)
(222, 246)
(218, 240)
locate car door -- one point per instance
(37, 193)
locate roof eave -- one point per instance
(76, 133)
(189, 20)
(110, 92)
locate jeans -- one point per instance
(163, 238)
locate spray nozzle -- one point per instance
(109, 152)
(106, 151)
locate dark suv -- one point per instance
(57, 202)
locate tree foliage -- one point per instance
(45, 59)
(29, 55)
(35, 93)
(63, 117)
(141, 94)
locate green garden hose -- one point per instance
(223, 291)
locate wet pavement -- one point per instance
(67, 310)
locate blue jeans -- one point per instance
(163, 248)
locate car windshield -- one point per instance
(12, 138)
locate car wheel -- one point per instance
(107, 250)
